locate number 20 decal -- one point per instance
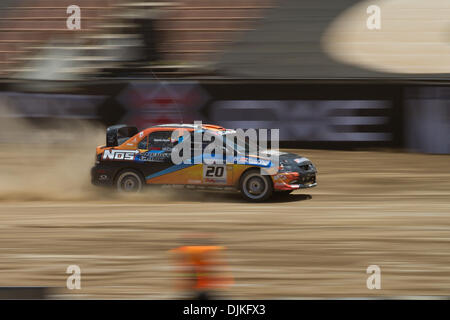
(215, 174)
(214, 171)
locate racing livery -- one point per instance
(132, 159)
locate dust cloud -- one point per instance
(51, 161)
(47, 161)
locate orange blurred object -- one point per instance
(202, 267)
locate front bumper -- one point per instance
(293, 180)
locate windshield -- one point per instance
(239, 145)
(230, 140)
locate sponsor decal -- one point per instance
(252, 161)
(300, 160)
(153, 156)
(119, 154)
(225, 132)
(215, 174)
(161, 140)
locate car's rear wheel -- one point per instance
(255, 187)
(129, 181)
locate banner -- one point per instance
(38, 105)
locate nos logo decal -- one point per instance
(119, 154)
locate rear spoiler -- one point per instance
(118, 134)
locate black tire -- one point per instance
(255, 187)
(129, 181)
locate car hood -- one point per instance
(289, 160)
(284, 156)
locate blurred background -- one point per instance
(370, 107)
(314, 70)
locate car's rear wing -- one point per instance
(118, 134)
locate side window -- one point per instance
(196, 146)
(143, 144)
(199, 147)
(160, 140)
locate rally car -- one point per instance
(132, 159)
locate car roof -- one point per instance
(170, 126)
(187, 126)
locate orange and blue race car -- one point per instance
(132, 159)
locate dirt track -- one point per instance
(388, 209)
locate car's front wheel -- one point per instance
(129, 181)
(255, 187)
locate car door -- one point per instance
(154, 154)
(216, 173)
